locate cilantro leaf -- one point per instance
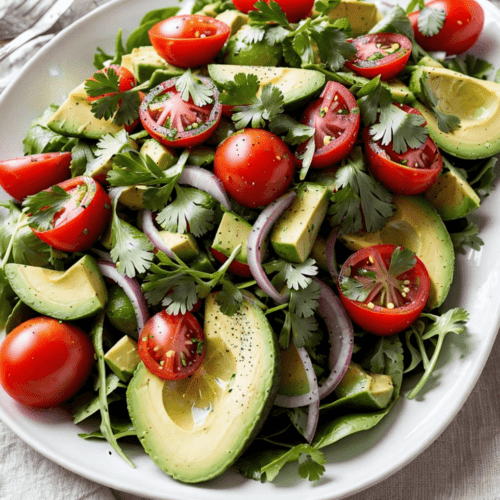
(467, 237)
(268, 13)
(290, 130)
(371, 98)
(305, 300)
(311, 465)
(323, 7)
(333, 48)
(182, 294)
(447, 123)
(299, 276)
(241, 90)
(103, 83)
(229, 298)
(431, 20)
(471, 66)
(43, 206)
(402, 260)
(190, 87)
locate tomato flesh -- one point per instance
(394, 302)
(172, 346)
(336, 119)
(188, 41)
(293, 9)
(461, 29)
(384, 54)
(82, 220)
(44, 362)
(255, 167)
(24, 176)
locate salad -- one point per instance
(168, 172)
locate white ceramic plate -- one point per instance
(356, 462)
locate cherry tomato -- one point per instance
(178, 123)
(83, 218)
(44, 361)
(391, 302)
(412, 172)
(335, 118)
(126, 80)
(24, 176)
(462, 26)
(189, 40)
(255, 167)
(384, 54)
(236, 267)
(293, 9)
(172, 346)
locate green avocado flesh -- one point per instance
(416, 225)
(476, 102)
(76, 293)
(195, 428)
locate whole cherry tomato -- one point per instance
(172, 346)
(462, 26)
(384, 54)
(336, 119)
(27, 175)
(255, 167)
(382, 297)
(44, 361)
(293, 9)
(82, 219)
(189, 40)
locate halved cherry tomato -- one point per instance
(384, 54)
(44, 361)
(172, 346)
(24, 176)
(294, 10)
(178, 123)
(237, 268)
(335, 118)
(83, 218)
(412, 172)
(462, 26)
(189, 40)
(390, 302)
(255, 167)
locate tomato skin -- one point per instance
(237, 268)
(462, 26)
(24, 176)
(334, 97)
(166, 339)
(381, 320)
(76, 228)
(387, 67)
(126, 80)
(255, 167)
(175, 107)
(178, 39)
(293, 9)
(44, 362)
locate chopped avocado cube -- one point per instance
(194, 429)
(183, 245)
(160, 154)
(133, 197)
(295, 232)
(123, 358)
(400, 92)
(415, 225)
(74, 118)
(318, 253)
(233, 230)
(145, 61)
(76, 293)
(362, 16)
(99, 167)
(234, 19)
(297, 85)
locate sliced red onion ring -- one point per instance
(330, 258)
(131, 288)
(261, 229)
(312, 421)
(341, 334)
(102, 254)
(149, 228)
(204, 180)
(309, 397)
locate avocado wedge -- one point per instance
(195, 428)
(476, 102)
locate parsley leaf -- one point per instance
(431, 20)
(43, 206)
(190, 87)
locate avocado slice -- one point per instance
(76, 293)
(233, 230)
(183, 245)
(144, 61)
(363, 16)
(476, 102)
(297, 85)
(416, 225)
(234, 19)
(293, 380)
(195, 428)
(295, 232)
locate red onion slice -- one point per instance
(330, 258)
(312, 421)
(131, 288)
(261, 229)
(309, 397)
(204, 180)
(149, 228)
(341, 334)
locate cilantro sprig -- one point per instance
(430, 19)
(43, 206)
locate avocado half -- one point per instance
(476, 102)
(416, 225)
(195, 428)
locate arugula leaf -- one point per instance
(471, 66)
(189, 86)
(43, 206)
(431, 20)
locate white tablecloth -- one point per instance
(462, 464)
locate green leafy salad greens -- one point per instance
(358, 202)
